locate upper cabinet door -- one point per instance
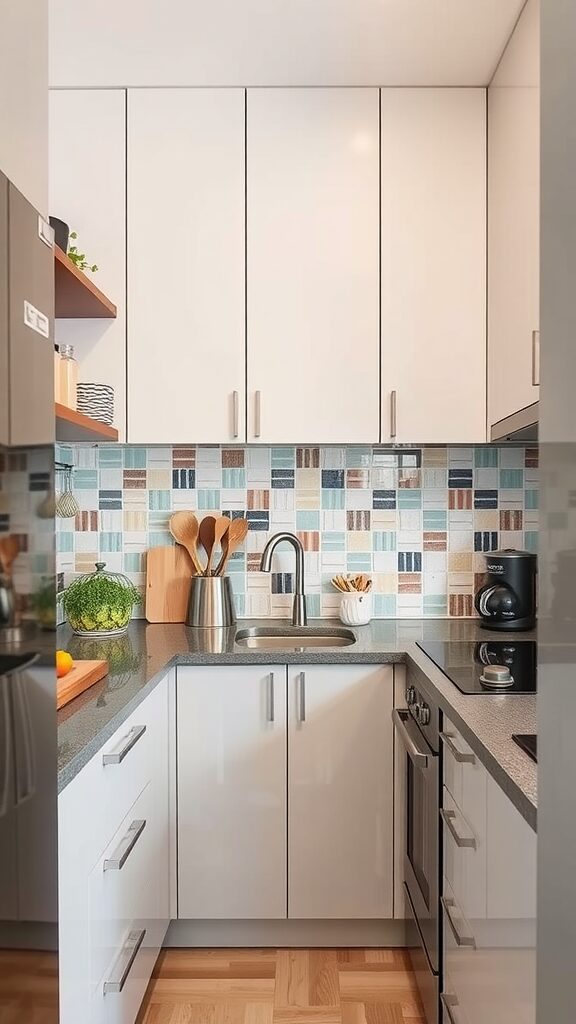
(434, 265)
(186, 267)
(312, 276)
(514, 224)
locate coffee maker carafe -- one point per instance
(507, 599)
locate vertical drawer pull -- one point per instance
(535, 358)
(449, 818)
(458, 755)
(257, 414)
(460, 940)
(270, 698)
(235, 414)
(125, 746)
(124, 961)
(393, 413)
(118, 859)
(302, 698)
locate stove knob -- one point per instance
(424, 715)
(410, 696)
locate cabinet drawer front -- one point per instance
(464, 859)
(464, 777)
(126, 897)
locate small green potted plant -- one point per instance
(100, 604)
(44, 603)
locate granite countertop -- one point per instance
(141, 658)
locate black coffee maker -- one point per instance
(507, 599)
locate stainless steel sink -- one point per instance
(293, 638)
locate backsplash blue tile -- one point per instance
(418, 520)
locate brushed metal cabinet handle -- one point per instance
(458, 755)
(124, 961)
(449, 1002)
(461, 940)
(118, 755)
(270, 698)
(407, 733)
(257, 414)
(464, 842)
(118, 859)
(302, 697)
(393, 413)
(535, 358)
(235, 414)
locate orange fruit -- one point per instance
(64, 662)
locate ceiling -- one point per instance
(278, 42)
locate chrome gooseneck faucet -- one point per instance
(299, 617)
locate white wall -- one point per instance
(278, 42)
(24, 97)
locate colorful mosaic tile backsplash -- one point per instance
(416, 519)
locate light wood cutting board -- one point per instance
(78, 679)
(168, 572)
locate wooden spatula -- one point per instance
(184, 528)
(232, 539)
(212, 532)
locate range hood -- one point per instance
(520, 427)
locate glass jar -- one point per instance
(68, 376)
(100, 604)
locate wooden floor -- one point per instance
(285, 986)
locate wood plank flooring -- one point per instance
(284, 986)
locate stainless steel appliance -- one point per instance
(488, 667)
(28, 729)
(507, 598)
(418, 730)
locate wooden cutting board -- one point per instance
(79, 678)
(168, 572)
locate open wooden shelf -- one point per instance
(74, 426)
(76, 294)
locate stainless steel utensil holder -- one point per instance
(211, 603)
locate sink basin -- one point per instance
(293, 638)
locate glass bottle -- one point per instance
(68, 376)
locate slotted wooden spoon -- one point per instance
(184, 527)
(212, 532)
(236, 534)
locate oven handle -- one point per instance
(409, 734)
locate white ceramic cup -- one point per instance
(356, 609)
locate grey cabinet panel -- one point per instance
(31, 354)
(4, 407)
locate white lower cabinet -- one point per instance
(340, 791)
(489, 898)
(114, 869)
(231, 741)
(285, 792)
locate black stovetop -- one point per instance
(464, 663)
(529, 744)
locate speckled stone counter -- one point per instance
(141, 658)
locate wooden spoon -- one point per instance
(212, 532)
(184, 528)
(232, 540)
(9, 550)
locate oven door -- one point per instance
(421, 864)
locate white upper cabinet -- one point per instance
(340, 784)
(88, 191)
(514, 223)
(312, 273)
(434, 265)
(186, 267)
